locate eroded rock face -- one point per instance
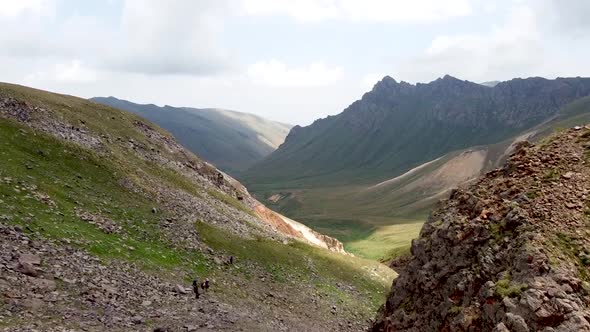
(508, 253)
(41, 119)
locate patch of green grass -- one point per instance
(498, 230)
(354, 214)
(564, 238)
(505, 287)
(547, 140)
(388, 239)
(455, 310)
(396, 252)
(573, 252)
(551, 175)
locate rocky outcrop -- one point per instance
(298, 231)
(508, 253)
(40, 118)
(274, 219)
(329, 242)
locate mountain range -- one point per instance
(232, 141)
(398, 126)
(378, 167)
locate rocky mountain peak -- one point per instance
(387, 83)
(450, 78)
(452, 84)
(508, 253)
(293, 133)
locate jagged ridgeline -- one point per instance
(397, 126)
(508, 253)
(105, 220)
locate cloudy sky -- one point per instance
(287, 60)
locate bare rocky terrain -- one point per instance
(507, 253)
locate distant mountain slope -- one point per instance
(233, 141)
(398, 126)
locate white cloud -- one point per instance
(72, 72)
(516, 48)
(152, 37)
(569, 17)
(275, 73)
(396, 11)
(12, 8)
(369, 80)
(536, 38)
(169, 37)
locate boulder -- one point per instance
(43, 285)
(31, 305)
(28, 269)
(29, 259)
(179, 289)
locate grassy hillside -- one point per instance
(107, 200)
(379, 219)
(233, 141)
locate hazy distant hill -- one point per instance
(233, 141)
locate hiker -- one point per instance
(231, 260)
(196, 288)
(205, 285)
